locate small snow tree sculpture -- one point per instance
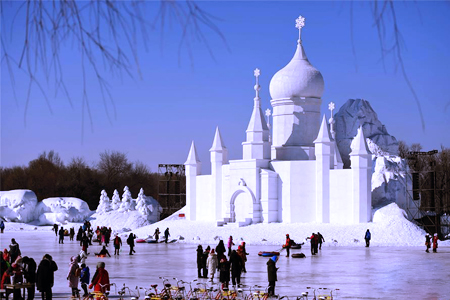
(127, 201)
(104, 205)
(116, 200)
(142, 205)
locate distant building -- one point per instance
(295, 174)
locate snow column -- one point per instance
(361, 164)
(269, 196)
(219, 157)
(192, 169)
(323, 149)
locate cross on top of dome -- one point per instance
(299, 24)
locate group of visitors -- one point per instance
(157, 233)
(214, 260)
(103, 235)
(316, 242)
(429, 239)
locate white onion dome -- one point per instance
(297, 79)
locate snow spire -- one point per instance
(192, 156)
(141, 204)
(128, 204)
(104, 205)
(218, 144)
(359, 145)
(257, 122)
(115, 200)
(324, 135)
(268, 114)
(331, 107)
(257, 87)
(299, 24)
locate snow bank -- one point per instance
(18, 205)
(61, 210)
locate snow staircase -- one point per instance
(226, 223)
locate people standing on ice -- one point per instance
(224, 275)
(230, 244)
(435, 242)
(45, 276)
(84, 243)
(313, 239)
(84, 279)
(73, 275)
(156, 234)
(220, 250)
(130, 242)
(61, 235)
(103, 252)
(71, 233)
(14, 250)
(55, 228)
(79, 234)
(287, 245)
(272, 274)
(108, 236)
(2, 226)
(205, 258)
(243, 257)
(321, 240)
(427, 242)
(199, 260)
(211, 264)
(166, 235)
(29, 273)
(100, 280)
(117, 244)
(367, 237)
(236, 268)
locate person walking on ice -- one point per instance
(212, 264)
(166, 235)
(117, 244)
(367, 237)
(272, 274)
(435, 242)
(427, 242)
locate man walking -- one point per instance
(367, 237)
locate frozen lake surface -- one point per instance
(359, 272)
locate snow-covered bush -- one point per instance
(115, 200)
(104, 204)
(128, 204)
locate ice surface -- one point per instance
(359, 272)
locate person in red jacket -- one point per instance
(100, 281)
(435, 242)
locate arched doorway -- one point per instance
(244, 208)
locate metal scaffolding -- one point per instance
(171, 188)
(428, 202)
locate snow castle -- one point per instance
(296, 174)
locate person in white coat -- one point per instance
(82, 257)
(212, 264)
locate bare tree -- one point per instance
(104, 31)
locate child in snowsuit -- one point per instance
(84, 278)
(435, 242)
(212, 263)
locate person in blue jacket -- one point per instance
(367, 238)
(84, 278)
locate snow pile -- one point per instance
(390, 228)
(355, 113)
(18, 205)
(59, 210)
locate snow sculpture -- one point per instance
(115, 205)
(104, 204)
(128, 204)
(62, 210)
(141, 204)
(18, 205)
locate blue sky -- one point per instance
(180, 99)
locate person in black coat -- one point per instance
(220, 250)
(14, 250)
(45, 276)
(130, 242)
(61, 236)
(224, 272)
(236, 267)
(272, 274)
(199, 260)
(29, 272)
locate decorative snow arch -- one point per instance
(256, 214)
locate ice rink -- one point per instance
(358, 272)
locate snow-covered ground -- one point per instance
(389, 228)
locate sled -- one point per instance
(140, 241)
(102, 255)
(297, 246)
(298, 255)
(268, 253)
(151, 241)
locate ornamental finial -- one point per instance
(331, 107)
(257, 87)
(299, 24)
